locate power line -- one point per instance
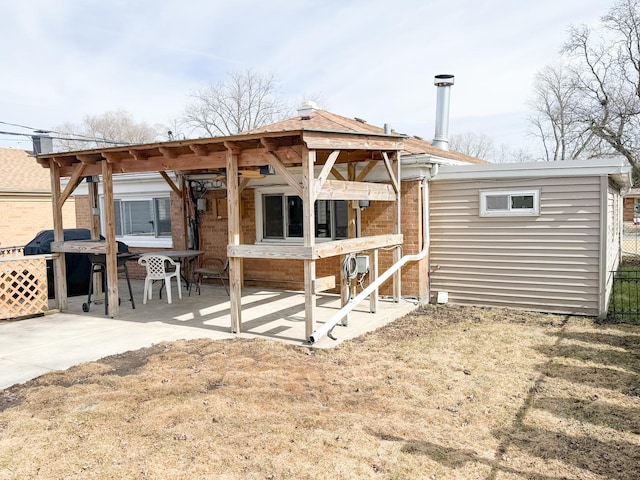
(88, 139)
(77, 136)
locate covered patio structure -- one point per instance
(313, 154)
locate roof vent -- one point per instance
(306, 109)
(441, 137)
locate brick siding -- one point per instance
(21, 219)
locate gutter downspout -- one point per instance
(328, 326)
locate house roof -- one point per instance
(20, 173)
(326, 121)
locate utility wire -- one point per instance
(76, 136)
(88, 139)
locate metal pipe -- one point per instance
(441, 137)
(340, 314)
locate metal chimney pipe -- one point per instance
(441, 137)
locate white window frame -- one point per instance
(277, 190)
(140, 240)
(509, 211)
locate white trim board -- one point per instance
(617, 169)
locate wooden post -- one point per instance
(373, 298)
(397, 278)
(94, 227)
(110, 235)
(351, 233)
(233, 225)
(309, 232)
(59, 265)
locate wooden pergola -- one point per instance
(318, 152)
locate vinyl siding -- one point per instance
(614, 238)
(549, 262)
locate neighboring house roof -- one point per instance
(20, 173)
(327, 121)
(633, 192)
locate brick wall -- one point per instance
(628, 209)
(377, 219)
(21, 218)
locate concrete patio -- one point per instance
(32, 347)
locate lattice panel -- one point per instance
(23, 287)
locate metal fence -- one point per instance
(624, 305)
(631, 239)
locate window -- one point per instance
(509, 203)
(282, 217)
(143, 222)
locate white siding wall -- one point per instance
(550, 262)
(614, 233)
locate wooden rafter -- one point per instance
(168, 152)
(74, 181)
(173, 186)
(337, 174)
(326, 170)
(279, 167)
(139, 155)
(392, 175)
(363, 174)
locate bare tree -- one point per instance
(557, 120)
(242, 102)
(106, 129)
(593, 106)
(477, 145)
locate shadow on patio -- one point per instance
(276, 314)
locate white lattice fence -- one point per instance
(23, 287)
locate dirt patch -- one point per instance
(446, 392)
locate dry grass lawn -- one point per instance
(445, 393)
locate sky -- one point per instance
(371, 59)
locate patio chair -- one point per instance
(156, 266)
(211, 268)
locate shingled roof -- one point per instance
(327, 121)
(20, 173)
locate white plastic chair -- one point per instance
(156, 266)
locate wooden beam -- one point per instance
(94, 205)
(74, 181)
(81, 246)
(373, 276)
(110, 236)
(353, 245)
(340, 141)
(326, 169)
(168, 152)
(111, 158)
(338, 175)
(200, 150)
(59, 264)
(309, 236)
(392, 175)
(243, 184)
(233, 225)
(139, 155)
(89, 159)
(363, 174)
(337, 190)
(173, 186)
(124, 163)
(282, 252)
(323, 284)
(397, 253)
(275, 162)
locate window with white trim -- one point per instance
(281, 215)
(143, 221)
(509, 203)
